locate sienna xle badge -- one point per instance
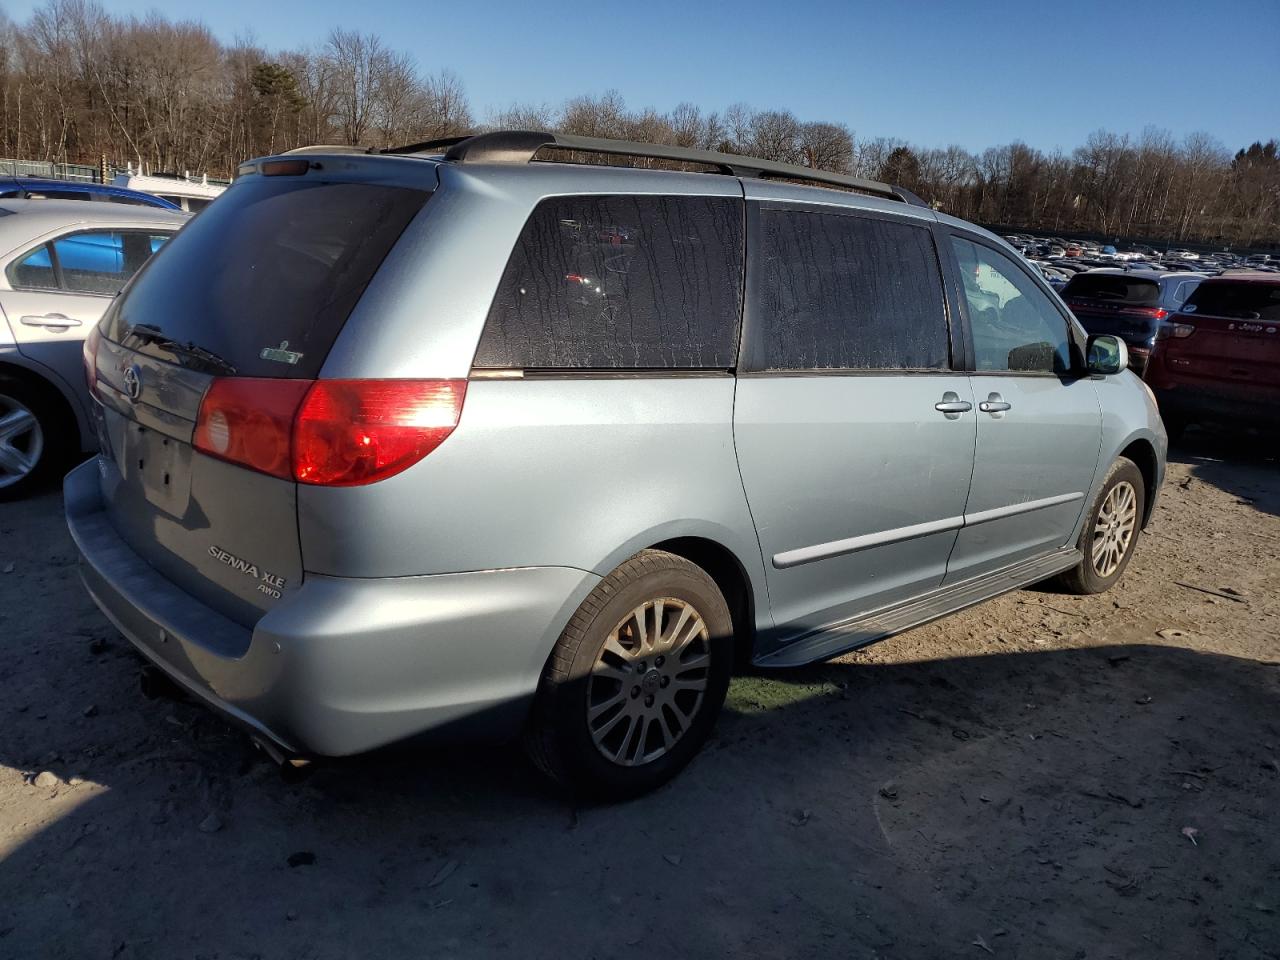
(451, 440)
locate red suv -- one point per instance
(1217, 360)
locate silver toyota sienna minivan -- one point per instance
(488, 437)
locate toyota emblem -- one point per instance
(133, 382)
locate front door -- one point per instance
(854, 435)
(1039, 422)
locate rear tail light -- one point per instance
(249, 421)
(1150, 313)
(90, 355)
(350, 432)
(327, 432)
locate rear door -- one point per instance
(257, 287)
(60, 288)
(1039, 423)
(854, 431)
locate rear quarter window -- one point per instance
(266, 278)
(620, 282)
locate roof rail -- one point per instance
(330, 148)
(521, 146)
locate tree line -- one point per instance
(77, 84)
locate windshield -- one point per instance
(264, 279)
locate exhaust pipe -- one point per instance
(292, 769)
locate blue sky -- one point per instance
(974, 73)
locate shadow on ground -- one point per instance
(948, 808)
(1236, 463)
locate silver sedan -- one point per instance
(61, 263)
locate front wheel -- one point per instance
(636, 681)
(1111, 530)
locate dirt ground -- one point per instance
(1044, 776)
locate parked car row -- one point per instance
(1211, 356)
(1208, 345)
(1059, 260)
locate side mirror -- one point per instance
(1106, 355)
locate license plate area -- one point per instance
(159, 466)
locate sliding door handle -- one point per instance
(994, 404)
(952, 405)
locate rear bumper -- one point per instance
(342, 666)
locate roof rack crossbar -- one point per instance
(521, 146)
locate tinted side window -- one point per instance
(34, 271)
(620, 282)
(1015, 325)
(102, 261)
(837, 291)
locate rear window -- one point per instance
(1113, 288)
(1244, 301)
(265, 278)
(845, 292)
(620, 282)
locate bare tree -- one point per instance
(77, 83)
(358, 63)
(826, 146)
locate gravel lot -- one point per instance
(1043, 776)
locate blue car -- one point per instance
(28, 188)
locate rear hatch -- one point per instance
(258, 286)
(1123, 305)
(1228, 333)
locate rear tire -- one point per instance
(636, 681)
(33, 438)
(1111, 531)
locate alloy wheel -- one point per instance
(649, 681)
(21, 441)
(1114, 527)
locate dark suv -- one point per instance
(1218, 359)
(1130, 304)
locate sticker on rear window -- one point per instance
(1185, 308)
(281, 354)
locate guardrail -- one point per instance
(81, 172)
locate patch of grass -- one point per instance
(753, 693)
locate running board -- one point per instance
(833, 641)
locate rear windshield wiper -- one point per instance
(146, 333)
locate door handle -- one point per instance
(50, 320)
(952, 405)
(994, 404)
